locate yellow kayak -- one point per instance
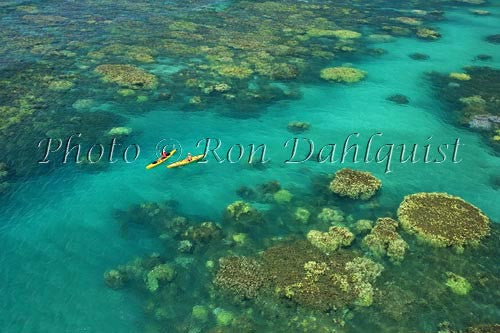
(185, 162)
(160, 160)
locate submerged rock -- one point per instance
(495, 39)
(483, 57)
(419, 56)
(398, 99)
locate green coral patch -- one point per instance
(127, 76)
(342, 74)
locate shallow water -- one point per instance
(58, 232)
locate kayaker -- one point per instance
(164, 154)
(189, 158)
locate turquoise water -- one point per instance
(59, 233)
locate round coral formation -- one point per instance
(342, 74)
(127, 76)
(355, 184)
(457, 284)
(241, 276)
(282, 196)
(443, 219)
(301, 215)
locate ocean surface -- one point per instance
(58, 226)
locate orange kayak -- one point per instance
(160, 160)
(185, 162)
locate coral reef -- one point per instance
(114, 279)
(238, 72)
(120, 131)
(457, 284)
(346, 34)
(331, 216)
(330, 241)
(301, 215)
(242, 212)
(342, 74)
(185, 246)
(363, 272)
(241, 276)
(160, 273)
(298, 126)
(203, 233)
(282, 196)
(460, 76)
(127, 76)
(342, 34)
(443, 219)
(474, 100)
(427, 33)
(305, 275)
(200, 313)
(408, 20)
(355, 184)
(384, 240)
(223, 317)
(61, 85)
(362, 226)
